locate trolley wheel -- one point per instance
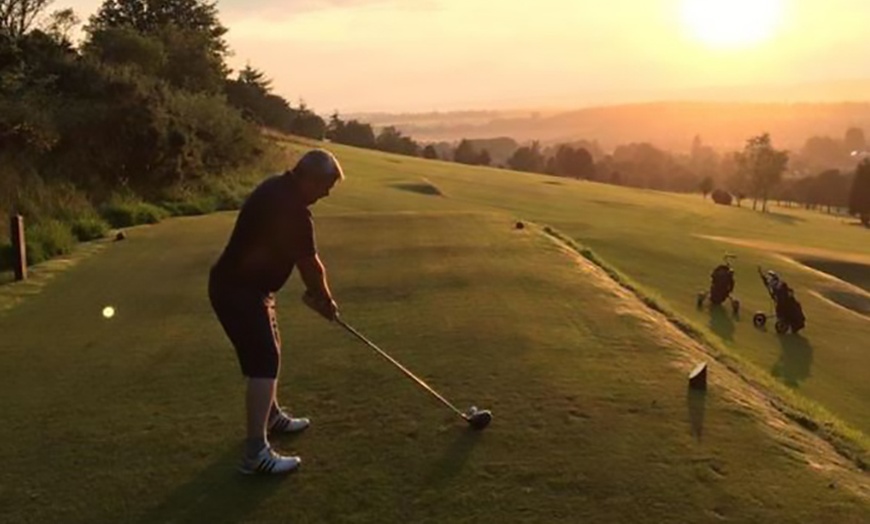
(759, 320)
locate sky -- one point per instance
(444, 55)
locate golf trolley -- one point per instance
(787, 310)
(721, 286)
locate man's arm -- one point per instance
(317, 291)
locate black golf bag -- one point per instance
(721, 287)
(789, 313)
(721, 284)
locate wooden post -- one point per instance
(19, 246)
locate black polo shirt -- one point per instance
(273, 231)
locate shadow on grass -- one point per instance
(454, 459)
(721, 322)
(696, 401)
(851, 272)
(219, 493)
(783, 218)
(795, 360)
(421, 188)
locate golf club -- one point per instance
(477, 419)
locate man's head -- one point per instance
(316, 173)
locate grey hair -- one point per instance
(319, 163)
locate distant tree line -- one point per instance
(758, 172)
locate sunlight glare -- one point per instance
(732, 23)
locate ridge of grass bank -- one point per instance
(846, 440)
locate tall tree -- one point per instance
(465, 153)
(430, 152)
(256, 79)
(528, 158)
(763, 166)
(706, 185)
(191, 34)
(18, 16)
(859, 199)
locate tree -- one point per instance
(392, 140)
(571, 162)
(430, 152)
(832, 188)
(859, 199)
(465, 153)
(483, 158)
(60, 25)
(307, 123)
(763, 166)
(352, 133)
(191, 34)
(823, 151)
(528, 158)
(706, 185)
(256, 79)
(18, 16)
(855, 140)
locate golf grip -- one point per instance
(405, 370)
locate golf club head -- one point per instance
(478, 419)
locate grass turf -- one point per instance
(138, 418)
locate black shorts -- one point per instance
(248, 318)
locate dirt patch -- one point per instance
(795, 437)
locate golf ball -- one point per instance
(108, 312)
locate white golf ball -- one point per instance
(108, 312)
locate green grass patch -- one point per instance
(48, 239)
(592, 419)
(128, 210)
(849, 441)
(89, 228)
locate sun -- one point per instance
(731, 24)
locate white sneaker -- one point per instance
(284, 423)
(268, 462)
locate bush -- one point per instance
(48, 239)
(722, 197)
(89, 228)
(201, 205)
(126, 211)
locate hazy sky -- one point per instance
(423, 55)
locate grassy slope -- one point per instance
(139, 416)
(651, 237)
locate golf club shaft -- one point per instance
(404, 370)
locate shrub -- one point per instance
(48, 239)
(197, 205)
(89, 228)
(126, 211)
(722, 197)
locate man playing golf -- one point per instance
(273, 234)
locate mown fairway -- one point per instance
(138, 418)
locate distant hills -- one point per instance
(724, 118)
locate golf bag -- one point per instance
(789, 313)
(721, 286)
